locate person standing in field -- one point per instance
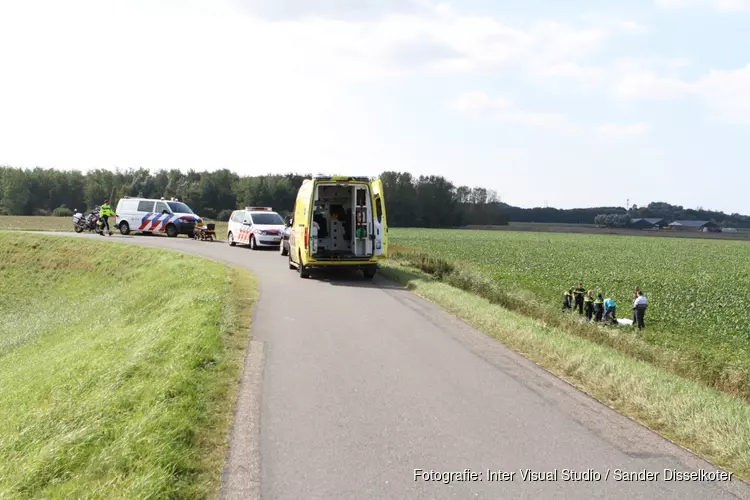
(610, 311)
(598, 308)
(567, 298)
(588, 305)
(579, 292)
(639, 309)
(635, 296)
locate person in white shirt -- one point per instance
(639, 307)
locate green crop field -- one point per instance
(698, 290)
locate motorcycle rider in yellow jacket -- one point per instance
(105, 212)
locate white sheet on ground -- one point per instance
(622, 321)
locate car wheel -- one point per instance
(303, 272)
(124, 228)
(230, 240)
(191, 236)
(253, 246)
(369, 272)
(171, 231)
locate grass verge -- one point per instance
(711, 423)
(119, 368)
(717, 370)
(65, 224)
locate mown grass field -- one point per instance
(119, 367)
(65, 224)
(699, 297)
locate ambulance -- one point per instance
(255, 227)
(338, 222)
(149, 215)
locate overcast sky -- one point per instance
(573, 103)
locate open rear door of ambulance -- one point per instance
(381, 221)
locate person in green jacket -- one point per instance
(105, 212)
(588, 305)
(579, 293)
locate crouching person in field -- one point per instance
(610, 311)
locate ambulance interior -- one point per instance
(342, 216)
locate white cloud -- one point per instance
(504, 110)
(720, 5)
(191, 84)
(473, 102)
(623, 130)
(727, 94)
(178, 84)
(479, 104)
(439, 38)
(650, 86)
(627, 78)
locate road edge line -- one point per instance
(242, 472)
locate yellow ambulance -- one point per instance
(338, 222)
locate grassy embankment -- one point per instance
(639, 378)
(119, 367)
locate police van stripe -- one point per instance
(164, 222)
(144, 221)
(155, 222)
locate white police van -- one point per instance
(255, 227)
(149, 215)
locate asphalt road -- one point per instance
(351, 385)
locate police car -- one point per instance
(149, 215)
(256, 227)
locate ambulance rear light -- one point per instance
(307, 236)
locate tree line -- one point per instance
(670, 213)
(424, 201)
(411, 201)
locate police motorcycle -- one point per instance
(88, 222)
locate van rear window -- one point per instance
(145, 206)
(128, 206)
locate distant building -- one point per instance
(694, 225)
(647, 223)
